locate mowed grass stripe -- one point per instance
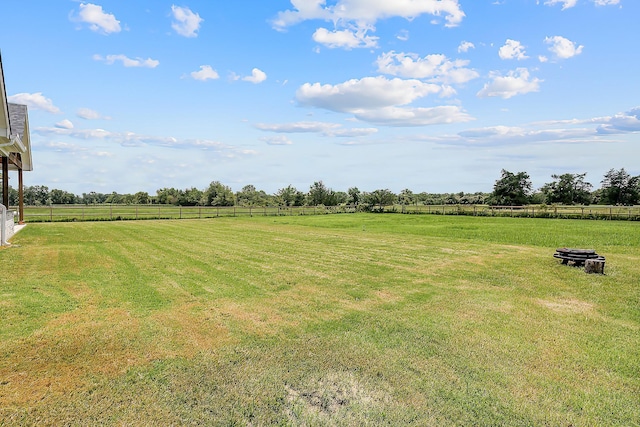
(334, 320)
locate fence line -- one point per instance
(57, 213)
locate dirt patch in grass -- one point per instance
(331, 399)
(566, 305)
(188, 329)
(260, 320)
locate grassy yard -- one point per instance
(358, 319)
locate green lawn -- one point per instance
(360, 319)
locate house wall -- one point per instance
(10, 224)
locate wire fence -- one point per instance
(109, 212)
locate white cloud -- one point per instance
(512, 49)
(542, 58)
(127, 62)
(353, 19)
(65, 124)
(465, 46)
(378, 100)
(348, 39)
(132, 139)
(394, 116)
(573, 131)
(322, 128)
(276, 140)
(563, 48)
(205, 73)
(362, 94)
(566, 4)
(368, 11)
(257, 76)
(186, 23)
(436, 68)
(622, 123)
(517, 82)
(403, 35)
(299, 127)
(35, 101)
(89, 114)
(98, 20)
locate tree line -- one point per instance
(511, 189)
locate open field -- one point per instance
(363, 319)
(107, 212)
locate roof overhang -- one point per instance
(20, 141)
(5, 124)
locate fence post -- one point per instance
(111, 211)
(51, 213)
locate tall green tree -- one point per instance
(289, 196)
(319, 194)
(189, 197)
(406, 197)
(354, 196)
(61, 197)
(218, 194)
(250, 196)
(511, 189)
(380, 197)
(141, 198)
(36, 195)
(620, 188)
(568, 189)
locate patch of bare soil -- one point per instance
(331, 399)
(566, 305)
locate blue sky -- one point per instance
(429, 95)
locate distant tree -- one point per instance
(319, 194)
(167, 196)
(93, 198)
(189, 197)
(452, 199)
(36, 195)
(340, 198)
(620, 188)
(249, 196)
(289, 196)
(13, 196)
(511, 189)
(127, 199)
(61, 197)
(141, 198)
(354, 196)
(218, 195)
(115, 198)
(568, 189)
(406, 197)
(381, 197)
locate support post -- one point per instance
(21, 197)
(5, 181)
